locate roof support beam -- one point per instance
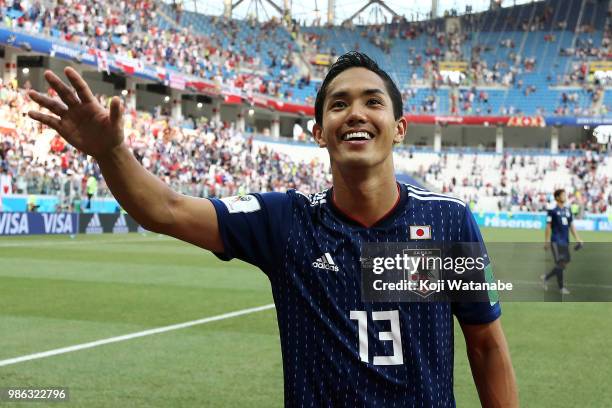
(381, 3)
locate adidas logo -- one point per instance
(94, 226)
(325, 262)
(120, 226)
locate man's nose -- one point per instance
(356, 115)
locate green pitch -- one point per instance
(57, 292)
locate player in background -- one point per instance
(559, 223)
(337, 350)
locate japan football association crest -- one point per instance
(425, 278)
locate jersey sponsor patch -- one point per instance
(241, 204)
(420, 232)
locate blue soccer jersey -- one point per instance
(560, 219)
(338, 350)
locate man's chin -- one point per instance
(361, 161)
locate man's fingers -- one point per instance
(48, 120)
(115, 110)
(68, 95)
(79, 84)
(54, 105)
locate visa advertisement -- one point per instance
(24, 223)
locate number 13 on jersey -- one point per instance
(394, 335)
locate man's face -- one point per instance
(358, 128)
(561, 198)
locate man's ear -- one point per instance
(317, 133)
(400, 130)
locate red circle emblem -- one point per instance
(420, 232)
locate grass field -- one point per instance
(57, 292)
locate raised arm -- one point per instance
(84, 123)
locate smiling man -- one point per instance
(337, 349)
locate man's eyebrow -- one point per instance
(344, 94)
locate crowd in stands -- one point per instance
(520, 182)
(212, 160)
(129, 28)
(586, 49)
(513, 56)
(471, 101)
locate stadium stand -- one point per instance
(492, 182)
(247, 54)
(506, 50)
(503, 56)
(214, 160)
(211, 160)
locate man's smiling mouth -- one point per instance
(357, 136)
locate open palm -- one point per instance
(81, 119)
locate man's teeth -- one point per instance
(357, 136)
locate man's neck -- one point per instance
(366, 196)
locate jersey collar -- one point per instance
(384, 221)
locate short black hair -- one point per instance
(355, 59)
(558, 192)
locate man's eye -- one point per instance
(338, 104)
(374, 102)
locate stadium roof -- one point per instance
(306, 11)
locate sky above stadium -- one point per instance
(306, 10)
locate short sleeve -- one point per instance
(476, 312)
(549, 214)
(254, 228)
